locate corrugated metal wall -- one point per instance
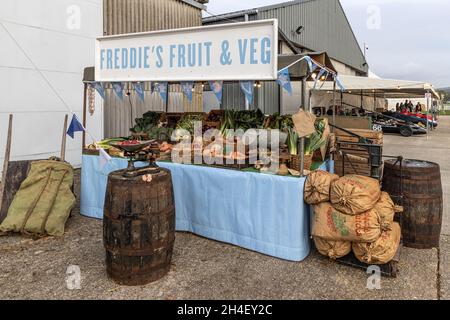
(131, 16)
(325, 28)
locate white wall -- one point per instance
(343, 69)
(58, 35)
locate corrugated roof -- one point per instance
(325, 28)
(197, 3)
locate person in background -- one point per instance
(418, 108)
(397, 107)
(402, 107)
(410, 106)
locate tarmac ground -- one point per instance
(206, 269)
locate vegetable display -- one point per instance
(188, 122)
(246, 119)
(148, 121)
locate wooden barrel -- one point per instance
(416, 185)
(139, 226)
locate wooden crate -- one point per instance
(357, 161)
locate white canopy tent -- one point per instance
(371, 93)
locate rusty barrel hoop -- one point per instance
(416, 185)
(139, 227)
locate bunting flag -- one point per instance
(321, 73)
(161, 87)
(75, 126)
(311, 65)
(139, 88)
(247, 88)
(187, 87)
(103, 159)
(217, 88)
(339, 83)
(284, 80)
(98, 86)
(118, 89)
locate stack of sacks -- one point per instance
(355, 214)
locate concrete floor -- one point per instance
(205, 269)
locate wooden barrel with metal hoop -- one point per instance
(139, 225)
(416, 185)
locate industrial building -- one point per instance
(70, 28)
(305, 26)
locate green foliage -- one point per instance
(188, 121)
(147, 122)
(316, 140)
(246, 119)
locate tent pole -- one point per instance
(374, 100)
(167, 99)
(84, 115)
(302, 140)
(6, 160)
(334, 104)
(64, 139)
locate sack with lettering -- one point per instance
(333, 225)
(354, 194)
(381, 251)
(387, 210)
(317, 187)
(333, 249)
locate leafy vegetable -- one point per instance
(293, 141)
(147, 122)
(246, 119)
(277, 121)
(316, 140)
(188, 121)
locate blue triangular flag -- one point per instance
(217, 88)
(75, 126)
(284, 80)
(162, 89)
(310, 63)
(247, 88)
(321, 73)
(186, 87)
(339, 83)
(139, 88)
(100, 88)
(118, 89)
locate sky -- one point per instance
(406, 39)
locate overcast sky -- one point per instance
(407, 39)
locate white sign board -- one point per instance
(237, 51)
(428, 95)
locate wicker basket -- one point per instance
(295, 162)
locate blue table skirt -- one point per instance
(259, 212)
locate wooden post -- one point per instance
(64, 139)
(334, 104)
(84, 115)
(6, 160)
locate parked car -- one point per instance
(389, 124)
(411, 118)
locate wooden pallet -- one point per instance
(389, 270)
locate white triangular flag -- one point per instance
(103, 159)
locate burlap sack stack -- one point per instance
(355, 214)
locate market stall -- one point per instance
(234, 200)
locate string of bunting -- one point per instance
(216, 87)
